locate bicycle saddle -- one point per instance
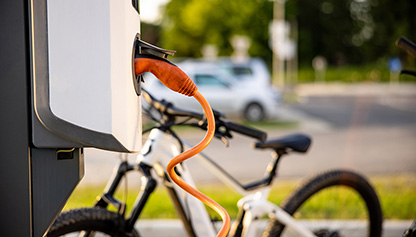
(296, 142)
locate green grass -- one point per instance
(271, 124)
(377, 72)
(397, 195)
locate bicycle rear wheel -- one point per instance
(89, 222)
(357, 211)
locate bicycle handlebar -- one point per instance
(169, 109)
(407, 45)
(244, 130)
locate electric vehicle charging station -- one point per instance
(68, 82)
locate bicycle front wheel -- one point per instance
(334, 203)
(89, 222)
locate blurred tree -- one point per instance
(392, 20)
(343, 31)
(324, 27)
(150, 33)
(190, 24)
(352, 31)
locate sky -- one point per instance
(149, 9)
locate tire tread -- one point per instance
(328, 179)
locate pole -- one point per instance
(278, 63)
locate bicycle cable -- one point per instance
(175, 79)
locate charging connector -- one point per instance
(167, 73)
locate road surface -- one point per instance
(374, 134)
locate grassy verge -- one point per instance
(272, 124)
(352, 74)
(397, 195)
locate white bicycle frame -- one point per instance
(160, 148)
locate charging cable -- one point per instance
(175, 79)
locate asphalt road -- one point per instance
(372, 134)
(361, 111)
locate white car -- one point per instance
(225, 94)
(252, 71)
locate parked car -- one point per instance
(224, 92)
(253, 71)
(250, 70)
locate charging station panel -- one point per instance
(67, 83)
(84, 83)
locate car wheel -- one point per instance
(254, 112)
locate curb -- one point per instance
(174, 228)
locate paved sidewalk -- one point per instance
(173, 228)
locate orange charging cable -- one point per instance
(174, 78)
(190, 153)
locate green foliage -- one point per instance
(375, 72)
(351, 31)
(392, 20)
(347, 74)
(150, 33)
(189, 24)
(345, 32)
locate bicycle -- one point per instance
(163, 143)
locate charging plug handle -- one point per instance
(168, 73)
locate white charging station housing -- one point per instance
(84, 93)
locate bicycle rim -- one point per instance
(335, 203)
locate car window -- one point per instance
(208, 80)
(242, 71)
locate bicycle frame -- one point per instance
(157, 151)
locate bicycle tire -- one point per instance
(326, 180)
(89, 219)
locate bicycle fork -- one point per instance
(147, 187)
